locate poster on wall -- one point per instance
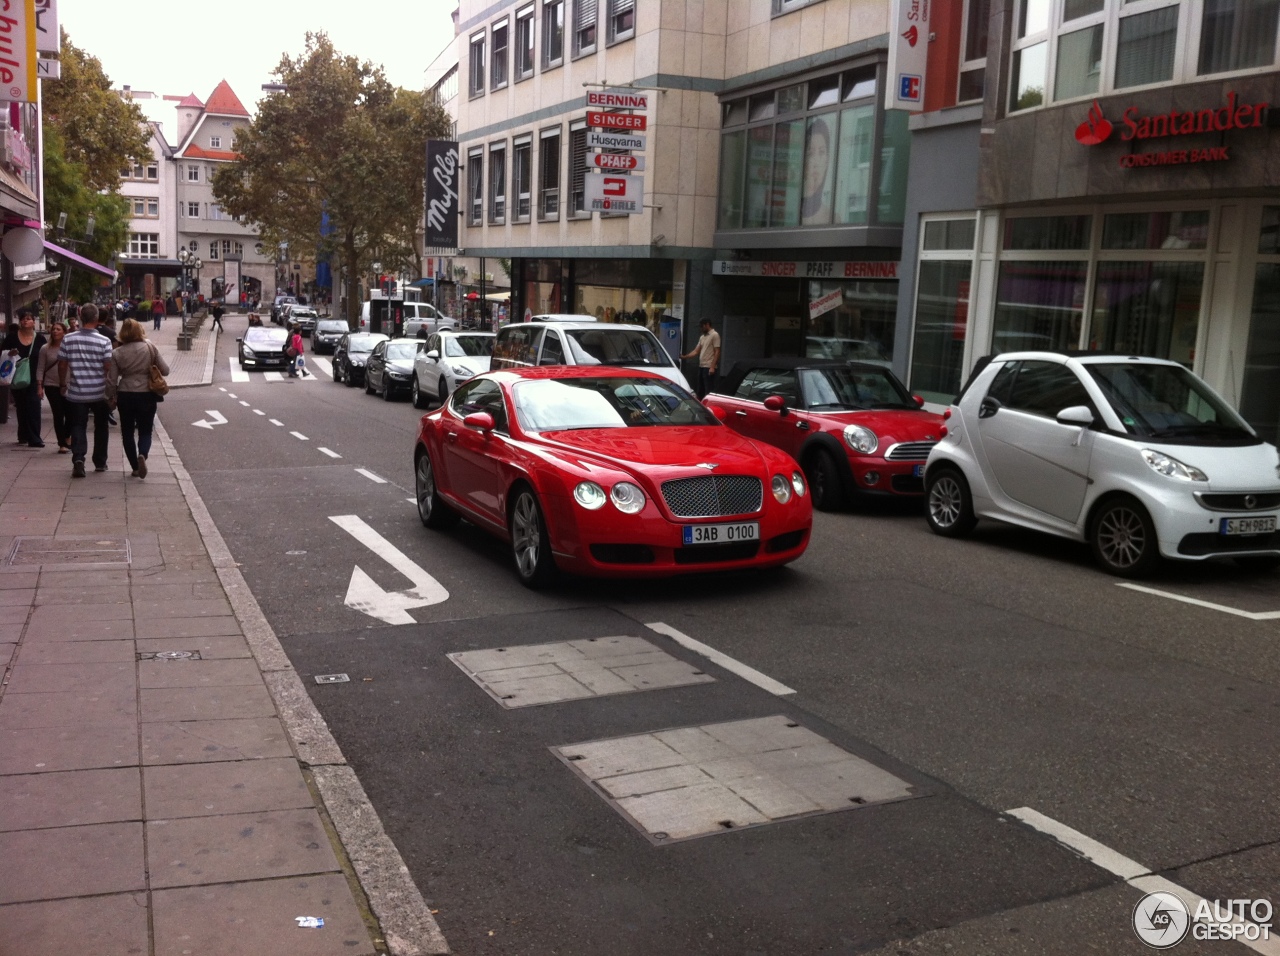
(444, 170)
(819, 170)
(231, 278)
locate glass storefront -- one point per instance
(1260, 392)
(635, 291)
(858, 325)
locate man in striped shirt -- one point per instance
(82, 371)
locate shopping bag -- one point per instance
(7, 369)
(21, 375)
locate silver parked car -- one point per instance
(446, 361)
(1136, 456)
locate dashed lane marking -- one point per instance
(237, 373)
(231, 395)
(244, 403)
(258, 411)
(750, 674)
(299, 436)
(376, 479)
(330, 453)
(1248, 615)
(276, 421)
(221, 389)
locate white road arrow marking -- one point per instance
(366, 596)
(217, 420)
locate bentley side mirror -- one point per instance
(776, 403)
(1080, 415)
(481, 420)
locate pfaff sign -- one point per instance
(18, 57)
(616, 161)
(602, 99)
(607, 193)
(627, 121)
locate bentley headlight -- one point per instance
(590, 495)
(627, 498)
(860, 439)
(1170, 467)
(797, 482)
(781, 489)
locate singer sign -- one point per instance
(443, 171)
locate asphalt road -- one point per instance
(990, 674)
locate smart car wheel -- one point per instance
(419, 400)
(949, 506)
(1124, 539)
(530, 545)
(824, 482)
(433, 512)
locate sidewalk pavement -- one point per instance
(185, 368)
(166, 786)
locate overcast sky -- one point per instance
(189, 48)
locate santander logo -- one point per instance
(912, 35)
(1095, 129)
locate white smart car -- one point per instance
(1136, 456)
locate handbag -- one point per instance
(21, 375)
(155, 379)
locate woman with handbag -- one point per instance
(135, 383)
(49, 386)
(23, 344)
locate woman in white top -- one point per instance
(48, 386)
(129, 390)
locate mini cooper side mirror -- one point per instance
(919, 400)
(1076, 415)
(481, 420)
(776, 403)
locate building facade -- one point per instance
(147, 264)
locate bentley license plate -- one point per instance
(721, 533)
(1259, 525)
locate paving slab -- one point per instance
(6, 654)
(209, 648)
(17, 597)
(155, 610)
(187, 627)
(79, 613)
(71, 861)
(198, 673)
(48, 630)
(223, 849)
(208, 789)
(202, 703)
(198, 921)
(192, 741)
(113, 925)
(77, 652)
(71, 798)
(17, 579)
(81, 678)
(108, 594)
(114, 708)
(76, 747)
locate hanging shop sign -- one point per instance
(18, 79)
(879, 269)
(599, 140)
(612, 100)
(626, 121)
(1136, 128)
(616, 193)
(48, 39)
(443, 169)
(908, 54)
(616, 161)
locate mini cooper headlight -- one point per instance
(797, 482)
(781, 489)
(1170, 467)
(627, 498)
(590, 495)
(862, 440)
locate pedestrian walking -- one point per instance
(47, 386)
(217, 313)
(83, 362)
(157, 312)
(297, 363)
(23, 344)
(129, 390)
(708, 352)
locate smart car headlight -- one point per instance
(797, 482)
(781, 489)
(1170, 467)
(627, 498)
(860, 439)
(590, 495)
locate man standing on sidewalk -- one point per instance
(708, 352)
(83, 361)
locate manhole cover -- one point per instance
(169, 656)
(70, 551)
(696, 781)
(332, 679)
(572, 670)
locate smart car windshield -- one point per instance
(616, 346)
(1169, 403)
(545, 405)
(473, 346)
(836, 387)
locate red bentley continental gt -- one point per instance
(608, 472)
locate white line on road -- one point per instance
(231, 395)
(750, 674)
(299, 436)
(244, 403)
(258, 411)
(1249, 615)
(276, 421)
(330, 453)
(221, 389)
(1131, 871)
(272, 377)
(323, 364)
(371, 476)
(237, 373)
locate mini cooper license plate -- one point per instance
(721, 533)
(1259, 525)
(917, 471)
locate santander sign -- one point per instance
(1234, 115)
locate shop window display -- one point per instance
(859, 328)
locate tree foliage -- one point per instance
(101, 133)
(338, 139)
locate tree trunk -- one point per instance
(353, 278)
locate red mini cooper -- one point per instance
(853, 426)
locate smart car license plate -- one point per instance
(721, 533)
(1263, 524)
(917, 471)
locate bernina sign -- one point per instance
(1097, 129)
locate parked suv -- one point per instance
(581, 340)
(1136, 456)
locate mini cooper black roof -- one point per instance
(728, 384)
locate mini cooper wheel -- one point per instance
(1123, 538)
(530, 544)
(419, 400)
(824, 482)
(433, 512)
(948, 503)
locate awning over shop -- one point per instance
(498, 296)
(422, 283)
(69, 256)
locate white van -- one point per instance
(416, 316)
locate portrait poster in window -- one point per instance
(819, 171)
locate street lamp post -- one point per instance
(66, 275)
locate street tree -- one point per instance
(337, 139)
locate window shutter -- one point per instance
(584, 14)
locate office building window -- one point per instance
(578, 169)
(524, 43)
(237, 248)
(153, 208)
(622, 20)
(1237, 35)
(498, 183)
(475, 186)
(498, 70)
(477, 64)
(549, 174)
(584, 26)
(144, 245)
(139, 207)
(552, 33)
(973, 64)
(193, 210)
(153, 171)
(522, 176)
